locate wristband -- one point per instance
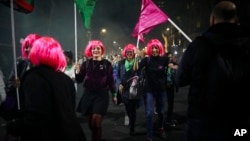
(115, 94)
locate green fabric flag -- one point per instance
(86, 8)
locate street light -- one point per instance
(103, 31)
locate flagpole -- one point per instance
(14, 49)
(75, 19)
(75, 32)
(137, 43)
(138, 34)
(179, 30)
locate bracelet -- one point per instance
(115, 94)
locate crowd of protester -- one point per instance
(44, 90)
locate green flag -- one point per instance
(86, 8)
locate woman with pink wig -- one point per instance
(27, 44)
(155, 90)
(47, 98)
(97, 76)
(125, 71)
(22, 64)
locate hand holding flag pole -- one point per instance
(14, 48)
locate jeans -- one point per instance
(160, 99)
(131, 107)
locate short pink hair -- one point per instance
(90, 45)
(28, 41)
(152, 43)
(47, 51)
(128, 47)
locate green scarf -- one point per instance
(129, 65)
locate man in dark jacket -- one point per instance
(216, 65)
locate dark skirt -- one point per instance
(94, 102)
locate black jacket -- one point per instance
(216, 65)
(48, 112)
(155, 72)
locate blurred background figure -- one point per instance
(171, 89)
(2, 90)
(70, 71)
(23, 64)
(117, 58)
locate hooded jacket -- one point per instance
(216, 66)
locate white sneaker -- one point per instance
(155, 111)
(126, 120)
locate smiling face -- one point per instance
(96, 51)
(155, 51)
(129, 54)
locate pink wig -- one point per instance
(28, 42)
(155, 43)
(91, 44)
(128, 47)
(47, 51)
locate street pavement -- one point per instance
(115, 130)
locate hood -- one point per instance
(227, 35)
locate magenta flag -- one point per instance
(140, 36)
(150, 17)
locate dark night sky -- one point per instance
(56, 18)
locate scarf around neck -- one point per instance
(129, 65)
